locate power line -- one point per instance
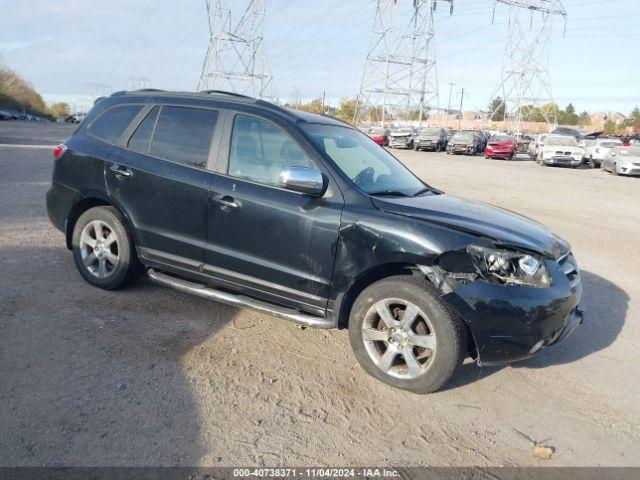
(131, 38)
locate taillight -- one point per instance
(537, 145)
(59, 150)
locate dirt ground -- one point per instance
(150, 376)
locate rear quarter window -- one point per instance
(111, 124)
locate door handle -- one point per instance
(120, 171)
(225, 201)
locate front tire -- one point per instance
(403, 334)
(103, 249)
(614, 170)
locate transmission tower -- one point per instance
(235, 59)
(137, 83)
(400, 79)
(524, 83)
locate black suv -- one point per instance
(304, 217)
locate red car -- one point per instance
(501, 146)
(380, 136)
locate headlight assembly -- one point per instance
(508, 267)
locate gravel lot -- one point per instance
(149, 376)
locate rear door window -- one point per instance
(141, 138)
(183, 135)
(111, 124)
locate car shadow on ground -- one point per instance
(605, 306)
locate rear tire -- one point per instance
(420, 353)
(103, 249)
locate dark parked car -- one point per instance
(466, 143)
(303, 217)
(434, 138)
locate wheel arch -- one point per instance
(85, 204)
(380, 272)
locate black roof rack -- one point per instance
(224, 92)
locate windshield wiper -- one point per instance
(388, 193)
(422, 191)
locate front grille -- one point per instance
(567, 154)
(570, 268)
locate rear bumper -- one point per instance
(427, 145)
(60, 201)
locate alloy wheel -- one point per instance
(399, 338)
(99, 249)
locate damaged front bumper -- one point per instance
(513, 322)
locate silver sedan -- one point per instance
(623, 161)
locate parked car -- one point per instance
(433, 138)
(4, 115)
(623, 160)
(482, 137)
(464, 142)
(501, 146)
(380, 136)
(561, 150)
(585, 143)
(628, 141)
(402, 137)
(303, 217)
(574, 132)
(535, 147)
(598, 150)
(450, 133)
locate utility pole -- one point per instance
(460, 118)
(524, 81)
(446, 122)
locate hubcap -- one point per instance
(99, 249)
(399, 338)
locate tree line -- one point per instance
(568, 116)
(18, 94)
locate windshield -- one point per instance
(377, 131)
(430, 131)
(462, 137)
(403, 130)
(371, 168)
(610, 144)
(562, 141)
(502, 138)
(629, 152)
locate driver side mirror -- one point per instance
(305, 180)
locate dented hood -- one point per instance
(501, 226)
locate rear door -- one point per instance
(159, 176)
(276, 244)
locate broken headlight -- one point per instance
(509, 267)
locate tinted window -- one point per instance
(112, 123)
(141, 138)
(184, 134)
(260, 150)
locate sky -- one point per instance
(66, 47)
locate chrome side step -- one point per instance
(239, 300)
